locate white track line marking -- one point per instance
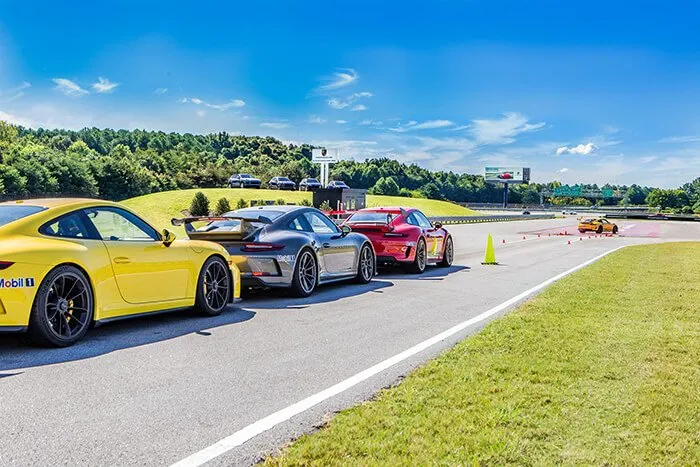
(629, 226)
(272, 420)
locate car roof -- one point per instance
(277, 207)
(50, 203)
(387, 209)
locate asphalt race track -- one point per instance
(156, 390)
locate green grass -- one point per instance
(602, 368)
(159, 208)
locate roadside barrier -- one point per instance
(495, 218)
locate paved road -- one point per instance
(153, 391)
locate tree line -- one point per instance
(120, 164)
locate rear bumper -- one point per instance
(390, 261)
(264, 270)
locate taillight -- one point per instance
(5, 264)
(263, 247)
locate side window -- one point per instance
(67, 226)
(319, 223)
(296, 224)
(422, 220)
(411, 219)
(115, 224)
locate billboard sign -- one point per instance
(323, 155)
(507, 174)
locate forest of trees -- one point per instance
(122, 164)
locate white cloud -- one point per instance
(160, 91)
(341, 103)
(582, 149)
(681, 139)
(235, 103)
(201, 113)
(69, 88)
(564, 170)
(14, 93)
(339, 79)
(316, 119)
(359, 108)
(371, 122)
(504, 130)
(104, 86)
(15, 120)
(427, 125)
(275, 125)
(341, 122)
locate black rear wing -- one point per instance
(246, 227)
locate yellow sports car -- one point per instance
(68, 263)
(597, 225)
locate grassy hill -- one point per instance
(159, 208)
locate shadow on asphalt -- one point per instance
(279, 298)
(16, 353)
(431, 273)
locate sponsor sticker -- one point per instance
(286, 258)
(19, 283)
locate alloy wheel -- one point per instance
(68, 305)
(367, 264)
(421, 255)
(216, 286)
(449, 251)
(307, 272)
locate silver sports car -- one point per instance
(287, 246)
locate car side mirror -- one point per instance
(345, 229)
(168, 237)
(437, 225)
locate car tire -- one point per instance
(53, 321)
(213, 287)
(614, 229)
(366, 265)
(599, 230)
(581, 230)
(421, 259)
(305, 276)
(241, 185)
(448, 254)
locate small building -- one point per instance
(341, 200)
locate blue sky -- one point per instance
(592, 92)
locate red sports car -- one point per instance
(404, 236)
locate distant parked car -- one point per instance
(281, 183)
(309, 184)
(337, 184)
(243, 181)
(526, 213)
(565, 212)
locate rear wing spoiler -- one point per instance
(245, 229)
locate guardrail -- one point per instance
(497, 218)
(654, 217)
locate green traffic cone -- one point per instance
(490, 253)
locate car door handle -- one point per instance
(326, 245)
(122, 260)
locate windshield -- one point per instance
(245, 176)
(12, 213)
(284, 179)
(370, 218)
(234, 225)
(311, 180)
